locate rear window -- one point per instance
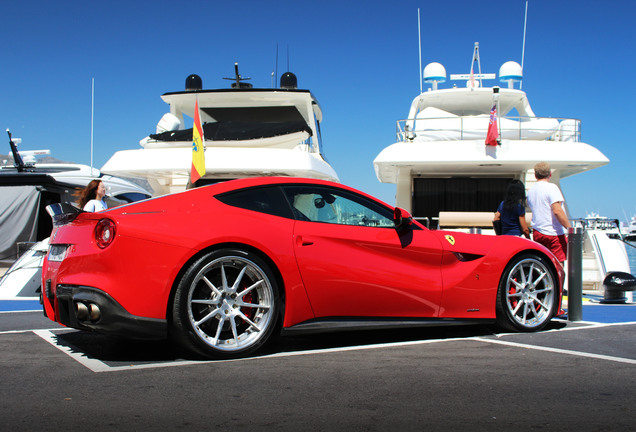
(266, 199)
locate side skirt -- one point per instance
(323, 325)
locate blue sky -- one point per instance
(360, 59)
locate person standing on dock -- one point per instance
(92, 197)
(549, 221)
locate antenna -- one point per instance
(288, 58)
(523, 49)
(92, 117)
(17, 159)
(419, 34)
(237, 84)
(275, 69)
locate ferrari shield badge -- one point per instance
(450, 239)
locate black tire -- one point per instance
(226, 305)
(527, 295)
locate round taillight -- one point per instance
(104, 233)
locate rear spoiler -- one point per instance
(62, 213)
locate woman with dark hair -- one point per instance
(92, 197)
(512, 211)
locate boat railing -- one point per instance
(475, 127)
(599, 223)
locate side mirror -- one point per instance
(402, 219)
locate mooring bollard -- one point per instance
(575, 274)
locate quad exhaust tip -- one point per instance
(87, 311)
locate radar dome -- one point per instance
(434, 72)
(193, 83)
(288, 81)
(510, 71)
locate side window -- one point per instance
(268, 199)
(335, 206)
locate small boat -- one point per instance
(26, 188)
(447, 176)
(247, 132)
(629, 232)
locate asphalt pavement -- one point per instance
(573, 376)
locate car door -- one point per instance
(355, 262)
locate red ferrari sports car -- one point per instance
(222, 268)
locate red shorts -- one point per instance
(558, 245)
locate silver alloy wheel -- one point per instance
(529, 296)
(230, 304)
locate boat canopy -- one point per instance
(472, 101)
(236, 131)
(220, 101)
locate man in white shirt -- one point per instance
(549, 221)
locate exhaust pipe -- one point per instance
(81, 311)
(86, 312)
(94, 312)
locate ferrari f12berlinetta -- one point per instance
(223, 267)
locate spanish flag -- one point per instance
(198, 148)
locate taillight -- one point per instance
(104, 233)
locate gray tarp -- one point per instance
(18, 218)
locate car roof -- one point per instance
(263, 181)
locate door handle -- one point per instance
(303, 242)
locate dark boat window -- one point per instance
(267, 199)
(433, 195)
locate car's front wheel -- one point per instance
(527, 296)
(226, 304)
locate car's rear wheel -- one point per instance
(226, 304)
(527, 296)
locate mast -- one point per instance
(523, 49)
(419, 34)
(92, 117)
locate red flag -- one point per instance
(493, 133)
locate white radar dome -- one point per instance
(434, 72)
(510, 71)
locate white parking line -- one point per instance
(99, 366)
(558, 350)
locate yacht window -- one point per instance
(271, 114)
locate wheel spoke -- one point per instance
(249, 321)
(224, 278)
(541, 291)
(213, 302)
(211, 286)
(238, 280)
(524, 279)
(207, 317)
(517, 284)
(541, 304)
(514, 294)
(253, 305)
(217, 335)
(234, 329)
(250, 288)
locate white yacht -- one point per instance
(629, 232)
(448, 177)
(247, 131)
